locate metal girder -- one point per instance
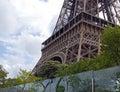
(106, 9)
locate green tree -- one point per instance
(110, 40)
(96, 63)
(10, 82)
(49, 69)
(3, 75)
(25, 77)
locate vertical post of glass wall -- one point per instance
(93, 82)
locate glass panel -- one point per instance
(105, 80)
(80, 82)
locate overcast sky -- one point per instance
(24, 25)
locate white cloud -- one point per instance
(26, 24)
(8, 22)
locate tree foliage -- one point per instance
(3, 75)
(10, 82)
(96, 63)
(25, 77)
(110, 40)
(49, 69)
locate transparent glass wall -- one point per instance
(106, 80)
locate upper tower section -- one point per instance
(106, 9)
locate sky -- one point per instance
(24, 25)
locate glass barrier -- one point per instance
(105, 80)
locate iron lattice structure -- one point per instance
(78, 29)
(106, 9)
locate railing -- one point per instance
(106, 80)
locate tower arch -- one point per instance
(56, 58)
(60, 56)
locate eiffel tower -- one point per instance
(78, 29)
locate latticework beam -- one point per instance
(106, 9)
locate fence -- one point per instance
(106, 80)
